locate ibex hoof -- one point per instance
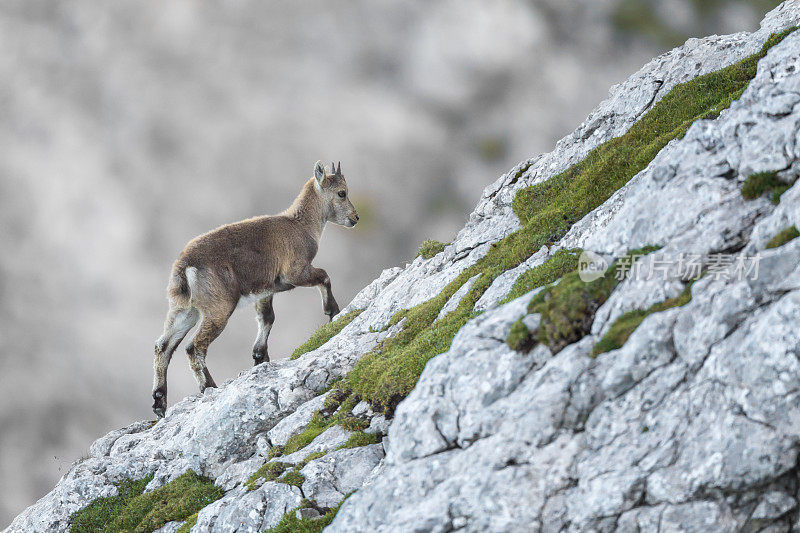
(159, 403)
(258, 359)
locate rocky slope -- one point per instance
(692, 423)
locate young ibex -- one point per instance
(251, 259)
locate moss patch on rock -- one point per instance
(430, 248)
(520, 338)
(559, 264)
(187, 526)
(626, 324)
(320, 422)
(135, 511)
(336, 411)
(567, 309)
(546, 210)
(293, 477)
(291, 524)
(267, 472)
(762, 183)
(359, 439)
(325, 333)
(784, 236)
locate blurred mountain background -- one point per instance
(129, 127)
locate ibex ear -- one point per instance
(319, 172)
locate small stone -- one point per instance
(362, 408)
(378, 425)
(306, 512)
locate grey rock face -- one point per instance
(330, 439)
(169, 527)
(332, 477)
(695, 420)
(295, 422)
(251, 512)
(692, 422)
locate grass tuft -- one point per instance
(520, 338)
(310, 457)
(546, 211)
(345, 401)
(626, 324)
(293, 477)
(267, 472)
(561, 263)
(187, 526)
(764, 182)
(325, 333)
(291, 524)
(359, 439)
(430, 248)
(784, 236)
(135, 511)
(568, 308)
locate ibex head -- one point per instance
(332, 188)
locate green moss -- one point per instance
(310, 457)
(334, 400)
(764, 182)
(546, 210)
(187, 526)
(95, 516)
(568, 308)
(520, 338)
(278, 471)
(291, 524)
(293, 477)
(136, 511)
(325, 333)
(430, 248)
(561, 263)
(359, 439)
(344, 401)
(626, 324)
(320, 423)
(267, 472)
(783, 237)
(275, 451)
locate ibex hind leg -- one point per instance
(265, 316)
(209, 329)
(176, 326)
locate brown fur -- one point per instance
(255, 257)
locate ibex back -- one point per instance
(254, 258)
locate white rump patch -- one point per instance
(191, 278)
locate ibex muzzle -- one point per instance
(254, 258)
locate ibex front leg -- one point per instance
(312, 276)
(265, 316)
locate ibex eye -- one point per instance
(342, 194)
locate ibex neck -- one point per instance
(307, 209)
